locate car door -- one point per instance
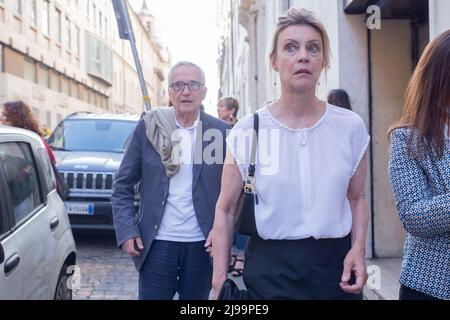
(29, 245)
(10, 276)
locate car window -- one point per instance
(48, 170)
(92, 135)
(22, 179)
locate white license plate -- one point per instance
(80, 208)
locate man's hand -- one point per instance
(133, 246)
(354, 261)
(208, 244)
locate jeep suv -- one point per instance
(89, 149)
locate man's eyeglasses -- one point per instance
(180, 85)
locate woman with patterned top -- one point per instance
(311, 213)
(419, 170)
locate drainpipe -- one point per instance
(370, 93)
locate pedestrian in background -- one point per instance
(227, 109)
(166, 237)
(18, 114)
(312, 212)
(340, 98)
(419, 171)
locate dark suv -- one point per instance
(89, 149)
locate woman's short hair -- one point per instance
(302, 17)
(340, 98)
(230, 103)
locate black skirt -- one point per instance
(306, 269)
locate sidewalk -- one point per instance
(383, 279)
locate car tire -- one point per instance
(63, 292)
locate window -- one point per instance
(44, 76)
(83, 93)
(17, 7)
(88, 9)
(77, 41)
(74, 89)
(58, 26)
(46, 17)
(94, 16)
(21, 175)
(65, 85)
(33, 13)
(55, 81)
(98, 58)
(68, 43)
(106, 28)
(48, 170)
(29, 72)
(100, 22)
(92, 135)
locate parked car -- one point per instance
(89, 149)
(37, 248)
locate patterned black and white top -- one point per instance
(422, 192)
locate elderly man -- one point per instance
(178, 192)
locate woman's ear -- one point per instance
(272, 61)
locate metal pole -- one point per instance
(140, 73)
(126, 33)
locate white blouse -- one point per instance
(302, 175)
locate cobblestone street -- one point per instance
(105, 272)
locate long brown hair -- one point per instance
(427, 99)
(20, 115)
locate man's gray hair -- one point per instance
(186, 64)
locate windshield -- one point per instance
(92, 135)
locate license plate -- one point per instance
(80, 208)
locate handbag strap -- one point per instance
(249, 185)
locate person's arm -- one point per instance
(355, 259)
(421, 213)
(127, 232)
(226, 213)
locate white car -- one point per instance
(37, 248)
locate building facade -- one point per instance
(374, 52)
(64, 56)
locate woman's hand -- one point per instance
(354, 262)
(217, 284)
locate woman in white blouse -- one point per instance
(312, 211)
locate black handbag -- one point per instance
(245, 223)
(230, 291)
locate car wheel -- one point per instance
(63, 292)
